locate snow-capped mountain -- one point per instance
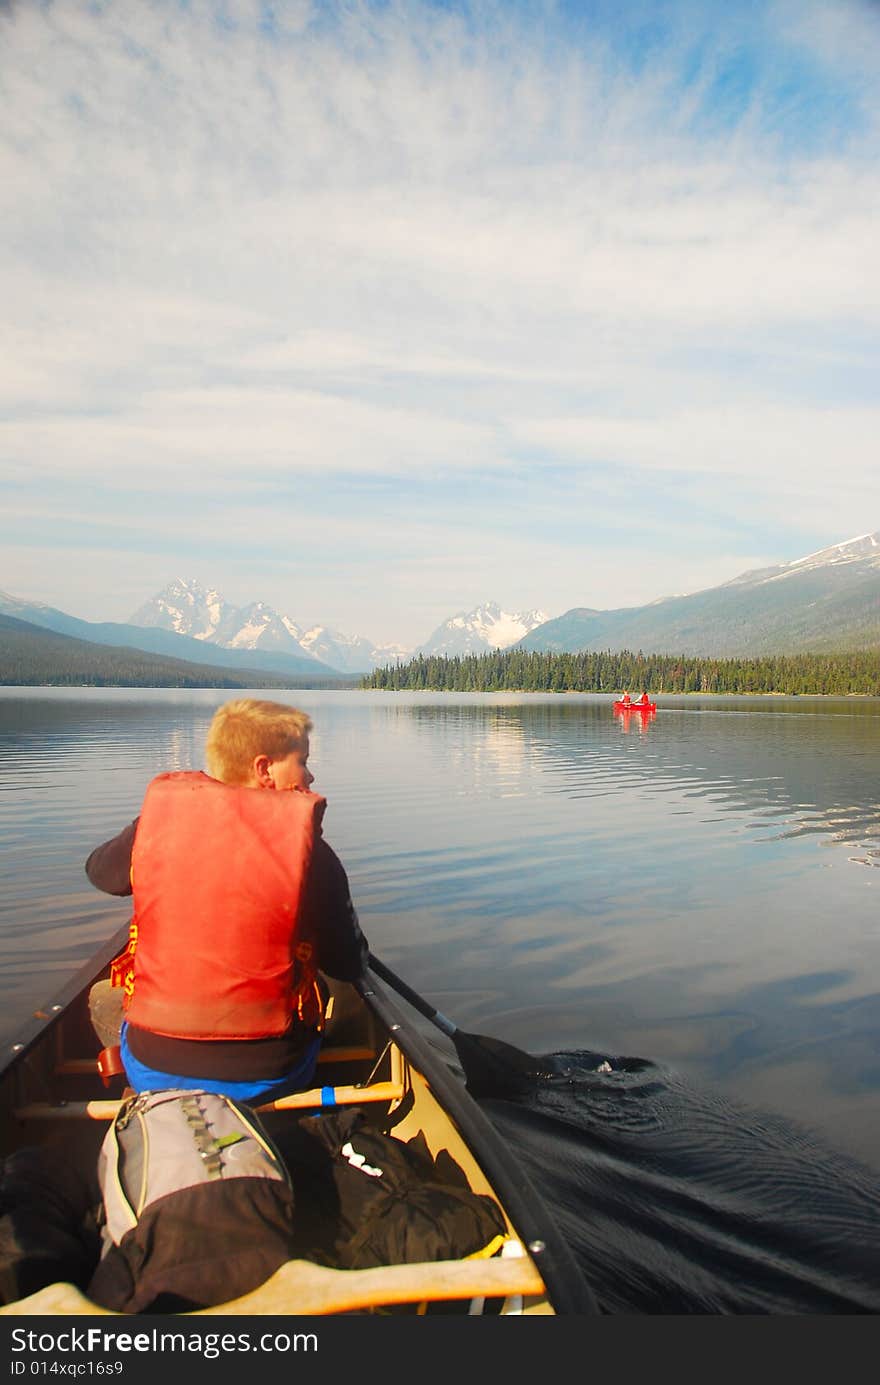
(863, 550)
(485, 627)
(351, 653)
(203, 613)
(825, 602)
(257, 626)
(188, 608)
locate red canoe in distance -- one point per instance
(635, 706)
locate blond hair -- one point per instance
(243, 729)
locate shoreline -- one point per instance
(452, 692)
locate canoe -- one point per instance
(635, 706)
(374, 1057)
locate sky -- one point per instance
(376, 311)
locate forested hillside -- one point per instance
(34, 657)
(825, 603)
(519, 670)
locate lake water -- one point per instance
(698, 890)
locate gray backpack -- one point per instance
(187, 1178)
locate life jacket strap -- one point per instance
(110, 1064)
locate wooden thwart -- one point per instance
(336, 1096)
(101, 1110)
(299, 1287)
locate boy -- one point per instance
(238, 902)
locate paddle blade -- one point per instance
(493, 1068)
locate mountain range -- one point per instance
(186, 607)
(186, 621)
(33, 656)
(164, 642)
(826, 602)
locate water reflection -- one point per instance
(804, 763)
(537, 870)
(641, 716)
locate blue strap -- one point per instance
(328, 1096)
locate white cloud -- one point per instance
(740, 438)
(399, 242)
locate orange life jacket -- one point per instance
(218, 877)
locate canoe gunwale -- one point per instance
(35, 1030)
(567, 1289)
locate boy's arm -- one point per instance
(109, 865)
(329, 917)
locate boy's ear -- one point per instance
(262, 777)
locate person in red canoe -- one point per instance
(625, 700)
(644, 700)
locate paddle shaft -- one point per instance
(491, 1067)
(415, 1000)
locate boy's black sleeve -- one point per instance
(329, 917)
(109, 865)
